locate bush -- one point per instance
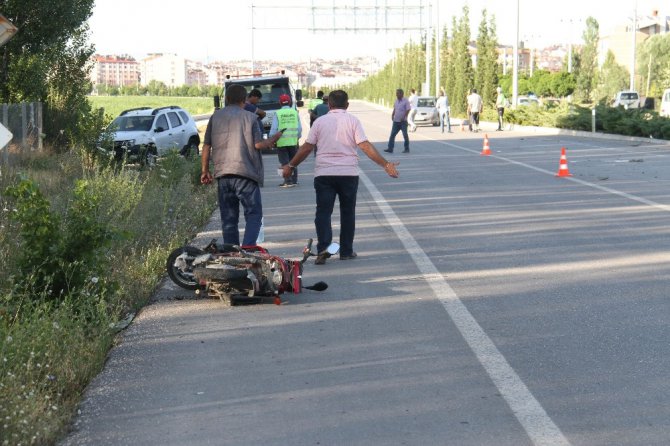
(60, 256)
(57, 325)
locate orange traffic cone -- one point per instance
(486, 150)
(563, 165)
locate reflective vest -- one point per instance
(287, 118)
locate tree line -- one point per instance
(587, 83)
(158, 88)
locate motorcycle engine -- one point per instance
(277, 275)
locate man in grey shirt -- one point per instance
(233, 141)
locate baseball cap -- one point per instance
(284, 99)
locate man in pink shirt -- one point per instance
(338, 135)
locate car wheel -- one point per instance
(151, 156)
(191, 148)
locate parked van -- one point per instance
(665, 103)
(627, 99)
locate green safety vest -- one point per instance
(314, 102)
(287, 118)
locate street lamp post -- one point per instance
(438, 48)
(429, 37)
(632, 60)
(515, 69)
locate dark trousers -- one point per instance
(285, 155)
(345, 189)
(234, 190)
(501, 115)
(398, 127)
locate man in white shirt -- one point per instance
(475, 106)
(414, 104)
(442, 106)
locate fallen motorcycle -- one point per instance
(240, 275)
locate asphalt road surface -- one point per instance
(492, 303)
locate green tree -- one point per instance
(48, 61)
(587, 70)
(562, 84)
(612, 78)
(486, 79)
(653, 58)
(540, 83)
(447, 62)
(463, 72)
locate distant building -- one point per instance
(170, 69)
(114, 71)
(620, 39)
(506, 58)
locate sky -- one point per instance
(221, 30)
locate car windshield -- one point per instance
(132, 123)
(628, 96)
(270, 92)
(426, 102)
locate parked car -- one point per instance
(426, 113)
(627, 99)
(665, 104)
(144, 133)
(528, 100)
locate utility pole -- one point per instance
(632, 60)
(429, 38)
(253, 68)
(438, 48)
(515, 70)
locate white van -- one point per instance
(627, 99)
(665, 103)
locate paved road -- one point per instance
(491, 304)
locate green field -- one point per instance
(114, 105)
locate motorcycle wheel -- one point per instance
(185, 279)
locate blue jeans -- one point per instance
(397, 127)
(234, 190)
(345, 189)
(444, 118)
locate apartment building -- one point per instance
(620, 39)
(114, 70)
(170, 69)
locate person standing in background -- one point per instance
(251, 105)
(443, 110)
(401, 110)
(312, 106)
(501, 104)
(475, 107)
(287, 118)
(414, 104)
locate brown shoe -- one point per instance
(321, 258)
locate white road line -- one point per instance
(532, 416)
(662, 207)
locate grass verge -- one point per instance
(53, 344)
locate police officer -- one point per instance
(287, 118)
